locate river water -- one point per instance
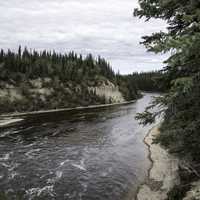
(93, 154)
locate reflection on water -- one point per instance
(94, 154)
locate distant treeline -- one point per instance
(32, 80)
(147, 81)
(27, 64)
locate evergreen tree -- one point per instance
(180, 105)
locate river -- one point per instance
(92, 154)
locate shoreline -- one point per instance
(163, 171)
(7, 119)
(20, 114)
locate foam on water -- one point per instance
(30, 154)
(12, 166)
(36, 192)
(79, 167)
(59, 174)
(12, 175)
(62, 163)
(5, 165)
(4, 134)
(6, 156)
(30, 145)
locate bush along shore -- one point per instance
(180, 105)
(31, 81)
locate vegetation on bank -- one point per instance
(31, 80)
(149, 81)
(181, 104)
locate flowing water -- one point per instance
(93, 154)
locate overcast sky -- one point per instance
(100, 27)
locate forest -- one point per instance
(61, 80)
(180, 105)
(149, 81)
(27, 64)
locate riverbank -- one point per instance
(11, 118)
(163, 173)
(21, 114)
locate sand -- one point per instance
(163, 174)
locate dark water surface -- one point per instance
(96, 154)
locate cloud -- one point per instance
(105, 27)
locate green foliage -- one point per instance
(31, 65)
(146, 117)
(181, 104)
(149, 81)
(177, 193)
(127, 86)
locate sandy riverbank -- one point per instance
(163, 174)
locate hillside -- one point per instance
(31, 81)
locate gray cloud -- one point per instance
(104, 27)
